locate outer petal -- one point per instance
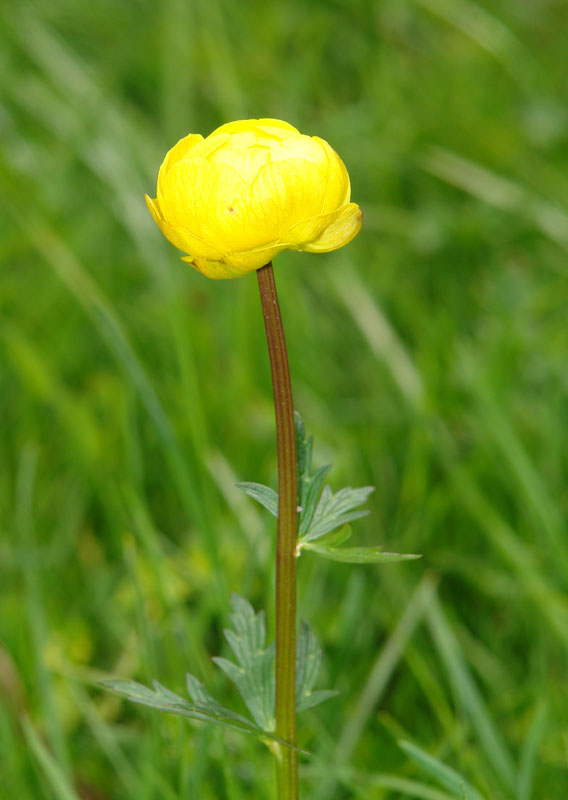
(344, 228)
(308, 230)
(235, 264)
(181, 237)
(338, 190)
(209, 146)
(283, 194)
(178, 151)
(180, 191)
(217, 270)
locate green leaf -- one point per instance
(311, 487)
(359, 555)
(303, 451)
(264, 495)
(335, 510)
(254, 673)
(308, 659)
(204, 707)
(163, 699)
(445, 776)
(331, 539)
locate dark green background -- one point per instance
(429, 358)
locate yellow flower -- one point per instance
(249, 190)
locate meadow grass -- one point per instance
(428, 358)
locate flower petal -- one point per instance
(338, 190)
(308, 230)
(178, 151)
(345, 227)
(248, 124)
(180, 237)
(283, 194)
(181, 191)
(235, 264)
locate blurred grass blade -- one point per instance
(379, 676)
(488, 32)
(51, 770)
(469, 695)
(34, 604)
(529, 752)
(381, 336)
(532, 488)
(445, 776)
(409, 788)
(504, 193)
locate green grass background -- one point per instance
(429, 358)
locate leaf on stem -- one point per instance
(308, 659)
(328, 547)
(204, 708)
(335, 510)
(264, 495)
(253, 675)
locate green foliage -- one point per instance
(264, 495)
(328, 547)
(321, 512)
(204, 708)
(308, 659)
(253, 675)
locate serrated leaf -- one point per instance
(300, 429)
(203, 709)
(197, 691)
(335, 510)
(254, 673)
(359, 555)
(308, 659)
(264, 495)
(315, 698)
(164, 700)
(311, 487)
(331, 539)
(446, 776)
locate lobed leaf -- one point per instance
(162, 699)
(311, 488)
(308, 659)
(359, 555)
(204, 707)
(264, 495)
(335, 510)
(254, 673)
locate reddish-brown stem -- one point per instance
(287, 761)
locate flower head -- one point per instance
(252, 188)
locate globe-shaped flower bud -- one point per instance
(252, 188)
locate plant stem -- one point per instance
(287, 758)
